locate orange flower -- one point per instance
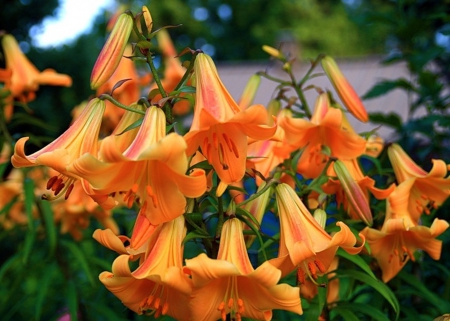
(21, 77)
(151, 169)
(231, 285)
(80, 138)
(324, 129)
(220, 127)
(429, 190)
(266, 155)
(400, 236)
(304, 244)
(344, 89)
(158, 285)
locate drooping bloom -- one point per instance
(21, 77)
(400, 236)
(220, 128)
(112, 51)
(151, 170)
(230, 285)
(80, 138)
(344, 89)
(325, 129)
(304, 244)
(158, 286)
(429, 190)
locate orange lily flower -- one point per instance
(400, 236)
(80, 138)
(374, 146)
(21, 77)
(429, 190)
(344, 89)
(304, 243)
(366, 184)
(266, 155)
(158, 286)
(151, 169)
(231, 285)
(324, 129)
(220, 127)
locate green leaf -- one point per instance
(357, 260)
(377, 285)
(197, 234)
(367, 309)
(383, 87)
(5, 266)
(346, 314)
(391, 119)
(144, 44)
(72, 300)
(28, 189)
(50, 227)
(79, 257)
(30, 239)
(423, 292)
(134, 125)
(44, 284)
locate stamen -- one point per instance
(300, 276)
(221, 157)
(320, 266)
(230, 303)
(69, 190)
(312, 269)
(59, 188)
(221, 306)
(51, 181)
(215, 140)
(165, 308)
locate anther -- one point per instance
(69, 190)
(51, 181)
(312, 269)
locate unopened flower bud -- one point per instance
(354, 193)
(249, 91)
(273, 52)
(344, 89)
(112, 51)
(321, 217)
(147, 19)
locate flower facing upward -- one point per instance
(344, 89)
(80, 138)
(158, 286)
(324, 129)
(231, 285)
(304, 243)
(151, 170)
(400, 236)
(429, 190)
(220, 128)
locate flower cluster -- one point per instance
(192, 184)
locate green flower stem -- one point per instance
(188, 71)
(256, 195)
(221, 218)
(300, 95)
(115, 102)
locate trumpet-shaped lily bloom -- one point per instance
(429, 190)
(324, 129)
(158, 286)
(366, 184)
(21, 77)
(400, 236)
(220, 128)
(80, 138)
(304, 244)
(230, 285)
(151, 170)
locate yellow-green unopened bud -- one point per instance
(354, 193)
(148, 20)
(249, 91)
(321, 217)
(273, 52)
(112, 51)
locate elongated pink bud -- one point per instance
(344, 89)
(112, 51)
(354, 193)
